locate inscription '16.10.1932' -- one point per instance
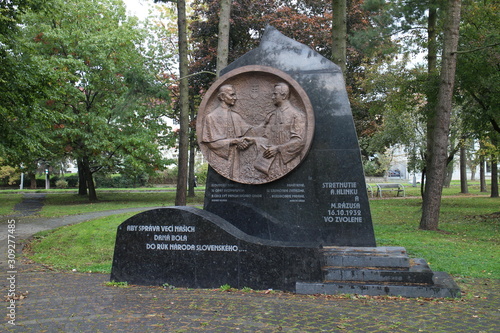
(255, 125)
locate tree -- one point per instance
(463, 169)
(223, 38)
(102, 89)
(494, 174)
(339, 33)
(180, 198)
(24, 124)
(307, 21)
(184, 101)
(478, 78)
(437, 147)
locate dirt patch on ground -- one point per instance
(492, 216)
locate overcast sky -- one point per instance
(138, 8)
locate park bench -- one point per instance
(390, 187)
(369, 189)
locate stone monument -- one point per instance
(286, 205)
(313, 190)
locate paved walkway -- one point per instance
(48, 301)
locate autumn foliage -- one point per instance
(309, 22)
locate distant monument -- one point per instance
(286, 205)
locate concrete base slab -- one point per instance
(443, 287)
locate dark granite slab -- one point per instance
(189, 247)
(324, 200)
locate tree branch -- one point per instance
(477, 49)
(495, 125)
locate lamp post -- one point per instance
(21, 185)
(47, 182)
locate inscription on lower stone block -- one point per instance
(175, 238)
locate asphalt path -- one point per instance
(27, 222)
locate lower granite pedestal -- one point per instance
(193, 248)
(378, 271)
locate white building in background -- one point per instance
(398, 167)
(398, 163)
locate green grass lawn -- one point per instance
(8, 201)
(62, 204)
(86, 247)
(454, 189)
(467, 245)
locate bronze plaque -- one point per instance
(255, 124)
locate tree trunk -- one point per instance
(32, 177)
(450, 165)
(431, 99)
(449, 174)
(431, 73)
(432, 40)
(438, 145)
(82, 181)
(180, 197)
(463, 170)
(473, 169)
(90, 179)
(223, 40)
(494, 176)
(339, 33)
(422, 183)
(482, 174)
(191, 175)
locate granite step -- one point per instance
(377, 271)
(443, 286)
(387, 257)
(417, 272)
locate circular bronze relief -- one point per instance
(255, 124)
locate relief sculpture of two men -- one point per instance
(254, 153)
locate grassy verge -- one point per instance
(454, 189)
(466, 246)
(70, 204)
(85, 247)
(8, 203)
(67, 202)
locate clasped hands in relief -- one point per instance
(245, 143)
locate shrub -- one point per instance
(373, 169)
(201, 174)
(168, 176)
(119, 181)
(72, 180)
(61, 183)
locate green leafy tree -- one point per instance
(24, 124)
(478, 77)
(103, 92)
(430, 26)
(438, 131)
